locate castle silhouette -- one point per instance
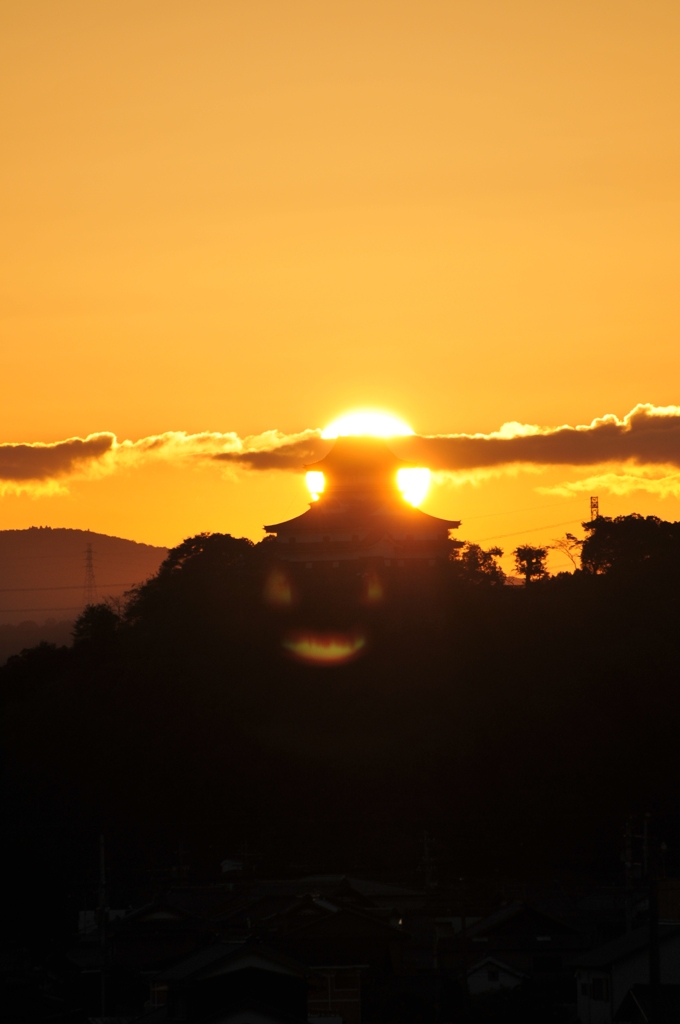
(361, 513)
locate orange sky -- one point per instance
(240, 216)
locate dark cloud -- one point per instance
(25, 465)
(647, 435)
(23, 462)
(294, 455)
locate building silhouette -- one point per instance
(360, 512)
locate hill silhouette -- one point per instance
(42, 575)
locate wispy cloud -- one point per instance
(664, 482)
(641, 451)
(276, 451)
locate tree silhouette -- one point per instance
(530, 562)
(569, 545)
(96, 627)
(631, 544)
(475, 565)
(179, 717)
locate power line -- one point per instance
(64, 556)
(74, 608)
(533, 529)
(74, 586)
(516, 511)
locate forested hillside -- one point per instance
(479, 713)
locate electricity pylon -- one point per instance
(90, 588)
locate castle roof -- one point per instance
(361, 510)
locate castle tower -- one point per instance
(361, 513)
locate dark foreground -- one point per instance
(438, 825)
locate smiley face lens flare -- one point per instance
(373, 588)
(324, 649)
(413, 484)
(277, 590)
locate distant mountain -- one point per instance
(13, 639)
(42, 575)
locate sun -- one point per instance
(367, 423)
(414, 483)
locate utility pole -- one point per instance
(654, 949)
(654, 944)
(101, 913)
(464, 950)
(628, 866)
(594, 507)
(428, 865)
(90, 587)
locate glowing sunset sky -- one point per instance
(228, 218)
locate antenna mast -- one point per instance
(90, 587)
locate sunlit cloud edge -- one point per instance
(646, 439)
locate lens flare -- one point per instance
(316, 482)
(365, 423)
(324, 649)
(413, 484)
(373, 588)
(277, 590)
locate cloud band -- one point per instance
(647, 436)
(42, 462)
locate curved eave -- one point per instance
(287, 522)
(451, 524)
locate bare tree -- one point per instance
(570, 546)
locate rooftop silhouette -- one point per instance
(359, 511)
